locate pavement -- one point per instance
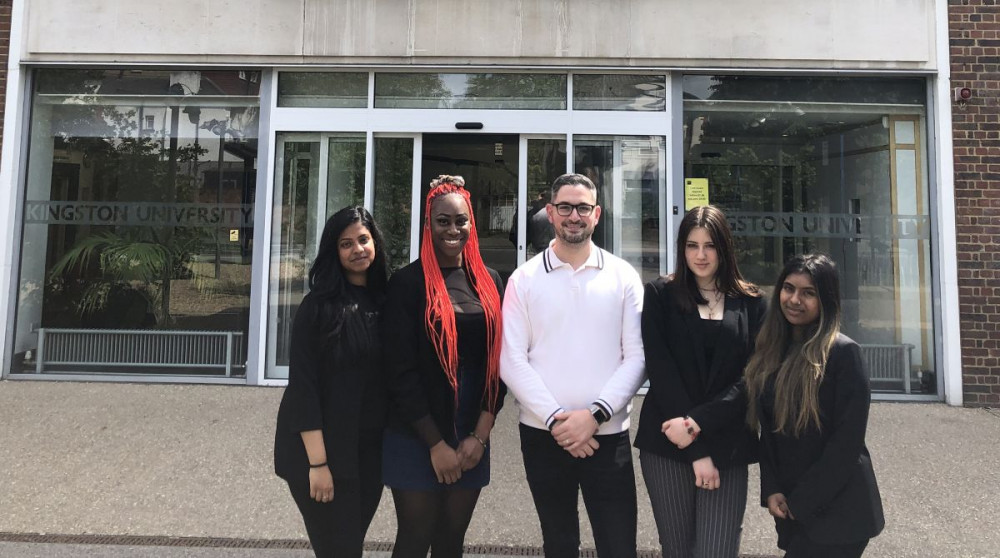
(133, 470)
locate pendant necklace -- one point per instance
(713, 303)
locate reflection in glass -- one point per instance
(546, 162)
(629, 172)
(809, 174)
(323, 89)
(488, 163)
(393, 195)
(309, 194)
(470, 91)
(905, 91)
(138, 222)
(295, 244)
(619, 92)
(345, 178)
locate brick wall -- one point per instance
(975, 63)
(4, 49)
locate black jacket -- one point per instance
(826, 474)
(340, 395)
(683, 383)
(421, 400)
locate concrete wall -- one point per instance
(854, 34)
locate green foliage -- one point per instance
(122, 263)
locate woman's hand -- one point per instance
(321, 484)
(777, 506)
(705, 474)
(470, 451)
(446, 463)
(681, 431)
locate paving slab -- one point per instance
(195, 461)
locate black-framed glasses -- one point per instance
(566, 209)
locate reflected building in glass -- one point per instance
(166, 188)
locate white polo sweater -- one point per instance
(572, 338)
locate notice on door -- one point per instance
(695, 193)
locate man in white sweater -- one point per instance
(572, 356)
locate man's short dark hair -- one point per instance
(573, 179)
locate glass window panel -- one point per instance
(594, 157)
(345, 172)
(546, 162)
(905, 131)
(793, 182)
(471, 91)
(619, 92)
(323, 89)
(393, 196)
(309, 193)
(629, 173)
(138, 224)
(147, 83)
(294, 244)
(906, 91)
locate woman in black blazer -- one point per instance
(442, 326)
(808, 391)
(698, 330)
(328, 442)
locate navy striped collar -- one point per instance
(550, 261)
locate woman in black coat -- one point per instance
(442, 326)
(698, 330)
(808, 391)
(328, 443)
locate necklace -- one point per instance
(712, 302)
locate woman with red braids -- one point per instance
(442, 335)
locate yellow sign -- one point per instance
(234, 235)
(695, 193)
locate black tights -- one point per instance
(433, 519)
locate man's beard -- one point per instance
(574, 238)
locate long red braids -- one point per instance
(439, 317)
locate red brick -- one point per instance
(975, 37)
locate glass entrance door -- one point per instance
(489, 165)
(507, 175)
(316, 176)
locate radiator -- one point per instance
(137, 348)
(888, 363)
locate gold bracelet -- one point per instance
(478, 439)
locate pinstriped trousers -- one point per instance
(691, 521)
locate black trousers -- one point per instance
(607, 481)
(802, 547)
(793, 540)
(337, 529)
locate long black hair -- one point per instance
(728, 278)
(798, 370)
(340, 317)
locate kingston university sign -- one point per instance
(139, 214)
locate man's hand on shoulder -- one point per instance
(574, 431)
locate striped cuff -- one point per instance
(550, 422)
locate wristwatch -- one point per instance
(599, 414)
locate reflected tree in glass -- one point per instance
(393, 195)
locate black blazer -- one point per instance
(421, 400)
(682, 382)
(826, 474)
(326, 391)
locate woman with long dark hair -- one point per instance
(328, 443)
(442, 320)
(698, 330)
(808, 394)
